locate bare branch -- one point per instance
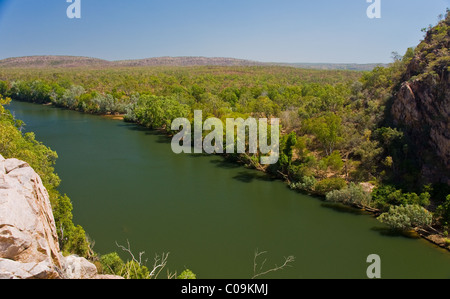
(287, 261)
(128, 249)
(160, 263)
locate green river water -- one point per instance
(126, 184)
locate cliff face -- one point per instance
(421, 106)
(29, 247)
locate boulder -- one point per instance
(27, 227)
(78, 268)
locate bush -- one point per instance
(443, 211)
(352, 195)
(333, 162)
(406, 217)
(386, 196)
(77, 242)
(330, 184)
(3, 88)
(133, 270)
(187, 274)
(306, 184)
(111, 263)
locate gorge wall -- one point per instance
(421, 107)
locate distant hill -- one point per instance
(335, 66)
(53, 61)
(75, 61)
(189, 61)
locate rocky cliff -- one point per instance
(421, 106)
(29, 247)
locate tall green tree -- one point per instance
(327, 129)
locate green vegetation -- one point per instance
(336, 128)
(388, 195)
(187, 274)
(333, 122)
(407, 217)
(443, 212)
(353, 195)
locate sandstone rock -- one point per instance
(104, 277)
(78, 268)
(29, 247)
(27, 227)
(10, 269)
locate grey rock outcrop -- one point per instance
(29, 247)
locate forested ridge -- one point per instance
(339, 138)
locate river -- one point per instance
(210, 215)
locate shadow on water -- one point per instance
(344, 209)
(388, 232)
(250, 176)
(223, 163)
(161, 137)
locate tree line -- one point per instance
(334, 130)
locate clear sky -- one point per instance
(328, 31)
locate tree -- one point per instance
(287, 145)
(3, 88)
(333, 162)
(388, 195)
(264, 107)
(327, 129)
(159, 112)
(444, 211)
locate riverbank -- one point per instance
(432, 235)
(210, 207)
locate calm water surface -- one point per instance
(126, 184)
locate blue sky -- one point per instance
(325, 31)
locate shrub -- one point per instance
(111, 263)
(330, 184)
(134, 270)
(406, 217)
(306, 184)
(352, 195)
(187, 274)
(77, 242)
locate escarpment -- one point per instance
(421, 107)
